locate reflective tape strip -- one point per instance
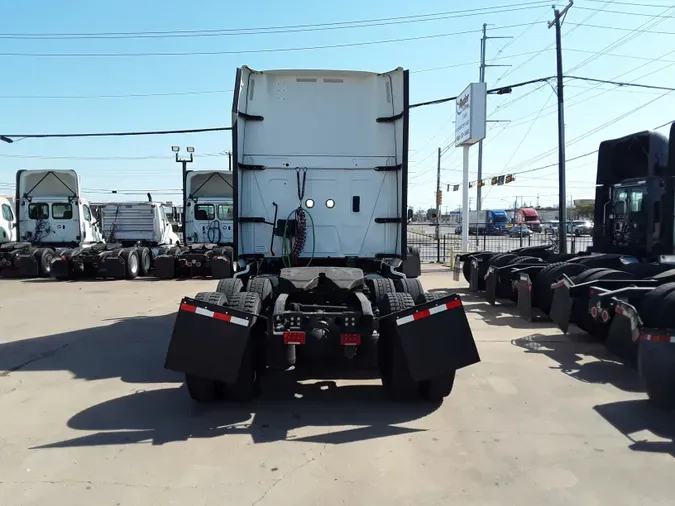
(212, 314)
(428, 312)
(657, 338)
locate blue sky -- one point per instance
(593, 36)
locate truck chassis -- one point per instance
(304, 317)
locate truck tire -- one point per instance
(203, 390)
(132, 263)
(435, 389)
(396, 378)
(263, 287)
(247, 384)
(411, 286)
(651, 304)
(502, 259)
(425, 297)
(466, 269)
(395, 302)
(230, 287)
(44, 257)
(379, 288)
(216, 298)
(145, 258)
(656, 360)
(542, 294)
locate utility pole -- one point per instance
(481, 76)
(438, 208)
(559, 16)
(229, 160)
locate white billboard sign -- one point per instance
(470, 115)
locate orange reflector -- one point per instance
(294, 337)
(350, 339)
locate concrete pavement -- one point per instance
(89, 416)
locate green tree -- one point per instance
(585, 209)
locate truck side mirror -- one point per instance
(410, 214)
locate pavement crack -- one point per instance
(287, 474)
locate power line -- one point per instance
(618, 83)
(119, 134)
(224, 32)
(251, 51)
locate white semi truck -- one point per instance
(51, 216)
(207, 227)
(320, 230)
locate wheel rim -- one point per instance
(47, 267)
(133, 264)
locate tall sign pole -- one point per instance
(470, 120)
(562, 199)
(438, 208)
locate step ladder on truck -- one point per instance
(323, 275)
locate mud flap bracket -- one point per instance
(435, 337)
(209, 340)
(561, 307)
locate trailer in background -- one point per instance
(208, 229)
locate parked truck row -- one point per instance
(621, 291)
(50, 229)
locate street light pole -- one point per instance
(183, 160)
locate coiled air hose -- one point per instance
(214, 227)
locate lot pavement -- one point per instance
(88, 416)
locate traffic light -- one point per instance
(494, 181)
(510, 178)
(481, 184)
(455, 188)
(439, 198)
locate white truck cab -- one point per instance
(137, 222)
(210, 207)
(7, 220)
(50, 210)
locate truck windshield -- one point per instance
(531, 218)
(501, 218)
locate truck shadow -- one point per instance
(131, 349)
(321, 412)
(636, 420)
(572, 354)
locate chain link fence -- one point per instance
(443, 248)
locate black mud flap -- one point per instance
(221, 267)
(524, 288)
(412, 265)
(26, 266)
(561, 307)
(435, 337)
(60, 268)
(622, 338)
(457, 268)
(209, 340)
(491, 281)
(114, 266)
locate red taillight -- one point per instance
(594, 312)
(605, 316)
(294, 337)
(350, 339)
